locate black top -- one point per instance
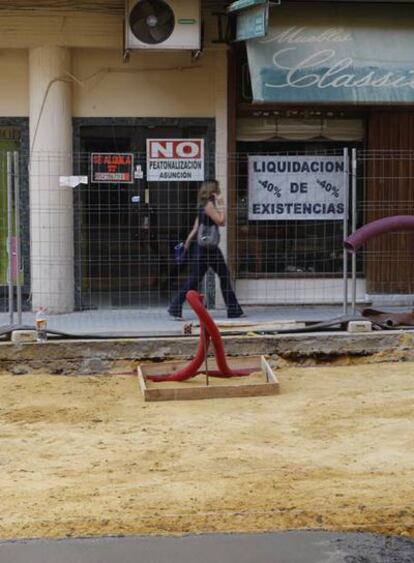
(203, 218)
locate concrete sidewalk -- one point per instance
(156, 321)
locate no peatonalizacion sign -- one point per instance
(296, 188)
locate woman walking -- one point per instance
(211, 215)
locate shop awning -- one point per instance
(335, 54)
(296, 129)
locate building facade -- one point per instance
(328, 79)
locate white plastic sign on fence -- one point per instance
(175, 160)
(72, 181)
(299, 188)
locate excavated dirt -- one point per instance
(84, 456)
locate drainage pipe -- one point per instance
(378, 227)
(208, 330)
(191, 369)
(224, 370)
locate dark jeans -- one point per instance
(204, 259)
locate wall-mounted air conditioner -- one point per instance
(162, 24)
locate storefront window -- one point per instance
(281, 248)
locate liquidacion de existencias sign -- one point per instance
(299, 188)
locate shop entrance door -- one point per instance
(128, 230)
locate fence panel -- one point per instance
(103, 242)
(10, 244)
(109, 244)
(387, 262)
(291, 249)
(125, 237)
(4, 222)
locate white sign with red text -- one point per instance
(175, 160)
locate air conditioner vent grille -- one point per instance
(162, 25)
(152, 21)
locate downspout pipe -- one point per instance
(375, 228)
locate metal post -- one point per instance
(10, 236)
(345, 229)
(210, 289)
(206, 357)
(204, 336)
(354, 213)
(17, 230)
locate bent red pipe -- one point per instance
(191, 369)
(208, 331)
(375, 228)
(211, 328)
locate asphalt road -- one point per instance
(286, 547)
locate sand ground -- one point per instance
(85, 456)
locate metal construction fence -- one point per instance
(10, 236)
(385, 182)
(75, 238)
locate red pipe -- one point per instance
(378, 227)
(191, 369)
(211, 328)
(208, 331)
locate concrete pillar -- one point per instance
(51, 206)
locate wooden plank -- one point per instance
(163, 368)
(253, 327)
(199, 392)
(141, 381)
(270, 374)
(211, 392)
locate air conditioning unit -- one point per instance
(162, 24)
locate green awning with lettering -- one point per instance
(335, 54)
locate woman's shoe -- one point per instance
(175, 316)
(236, 315)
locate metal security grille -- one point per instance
(126, 233)
(286, 247)
(284, 260)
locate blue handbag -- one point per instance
(180, 253)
